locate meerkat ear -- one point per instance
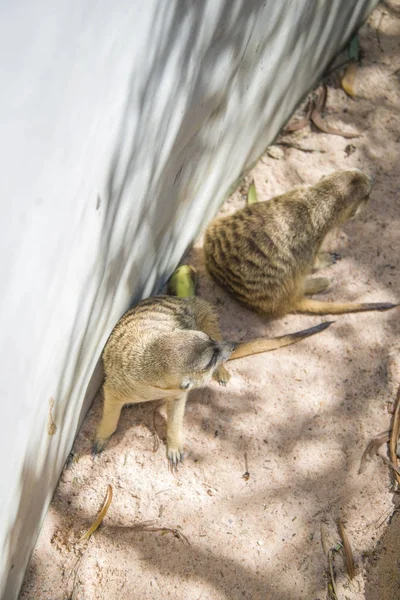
(186, 384)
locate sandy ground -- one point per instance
(302, 416)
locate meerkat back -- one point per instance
(161, 348)
(253, 253)
(263, 253)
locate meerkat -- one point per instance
(164, 347)
(262, 255)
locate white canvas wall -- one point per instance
(123, 125)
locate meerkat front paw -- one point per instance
(98, 446)
(325, 259)
(221, 375)
(175, 456)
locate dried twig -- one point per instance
(314, 114)
(162, 491)
(319, 122)
(333, 581)
(302, 123)
(394, 436)
(74, 572)
(323, 540)
(298, 147)
(377, 31)
(389, 462)
(149, 526)
(156, 441)
(382, 518)
(347, 550)
(100, 516)
(372, 449)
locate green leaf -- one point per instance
(353, 49)
(252, 194)
(183, 282)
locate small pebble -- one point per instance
(275, 152)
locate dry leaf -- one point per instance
(100, 516)
(332, 574)
(347, 551)
(349, 79)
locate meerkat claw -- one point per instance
(382, 305)
(327, 259)
(97, 448)
(173, 465)
(174, 458)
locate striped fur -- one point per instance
(263, 253)
(161, 348)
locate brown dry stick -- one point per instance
(347, 550)
(100, 516)
(394, 435)
(298, 125)
(319, 122)
(372, 449)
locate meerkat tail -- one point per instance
(316, 307)
(262, 344)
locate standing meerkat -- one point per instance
(263, 253)
(164, 347)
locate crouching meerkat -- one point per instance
(263, 253)
(164, 347)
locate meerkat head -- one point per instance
(350, 190)
(184, 360)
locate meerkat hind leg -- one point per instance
(175, 413)
(112, 407)
(315, 285)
